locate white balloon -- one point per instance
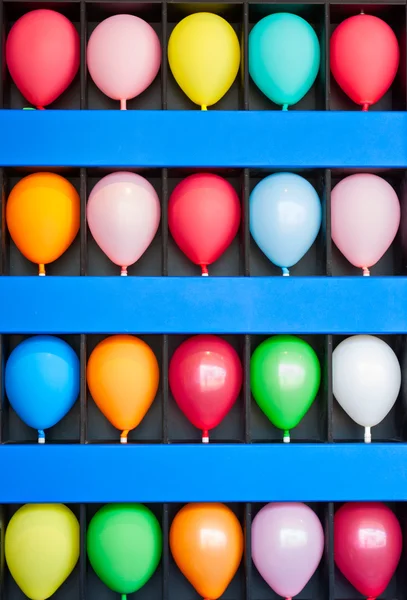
(366, 379)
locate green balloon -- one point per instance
(284, 375)
(124, 544)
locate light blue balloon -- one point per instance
(285, 218)
(42, 381)
(284, 57)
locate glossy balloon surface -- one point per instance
(287, 546)
(284, 376)
(367, 545)
(204, 217)
(366, 378)
(124, 544)
(284, 57)
(205, 377)
(204, 57)
(43, 53)
(123, 56)
(123, 377)
(206, 541)
(42, 380)
(42, 548)
(364, 54)
(123, 213)
(285, 217)
(43, 214)
(365, 217)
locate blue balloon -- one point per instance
(284, 57)
(42, 381)
(285, 217)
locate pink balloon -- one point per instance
(43, 54)
(123, 214)
(123, 56)
(365, 215)
(287, 546)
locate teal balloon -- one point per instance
(284, 57)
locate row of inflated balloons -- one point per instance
(124, 546)
(204, 216)
(205, 377)
(124, 57)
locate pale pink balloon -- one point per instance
(287, 546)
(123, 214)
(365, 216)
(123, 56)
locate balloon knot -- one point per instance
(123, 272)
(40, 108)
(366, 272)
(286, 437)
(123, 436)
(285, 106)
(205, 436)
(41, 270)
(365, 107)
(204, 107)
(41, 436)
(286, 272)
(204, 270)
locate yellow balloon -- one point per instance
(204, 57)
(42, 548)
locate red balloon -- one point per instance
(364, 58)
(205, 377)
(42, 54)
(204, 217)
(367, 545)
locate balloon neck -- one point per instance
(204, 269)
(285, 106)
(40, 108)
(286, 437)
(123, 272)
(123, 436)
(123, 104)
(286, 272)
(41, 270)
(365, 107)
(366, 272)
(368, 435)
(204, 107)
(124, 596)
(41, 436)
(205, 436)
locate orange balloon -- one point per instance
(206, 542)
(123, 376)
(43, 215)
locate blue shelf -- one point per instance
(188, 473)
(266, 139)
(342, 305)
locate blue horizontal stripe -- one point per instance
(203, 139)
(188, 473)
(203, 305)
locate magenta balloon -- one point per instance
(287, 546)
(123, 56)
(365, 215)
(123, 214)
